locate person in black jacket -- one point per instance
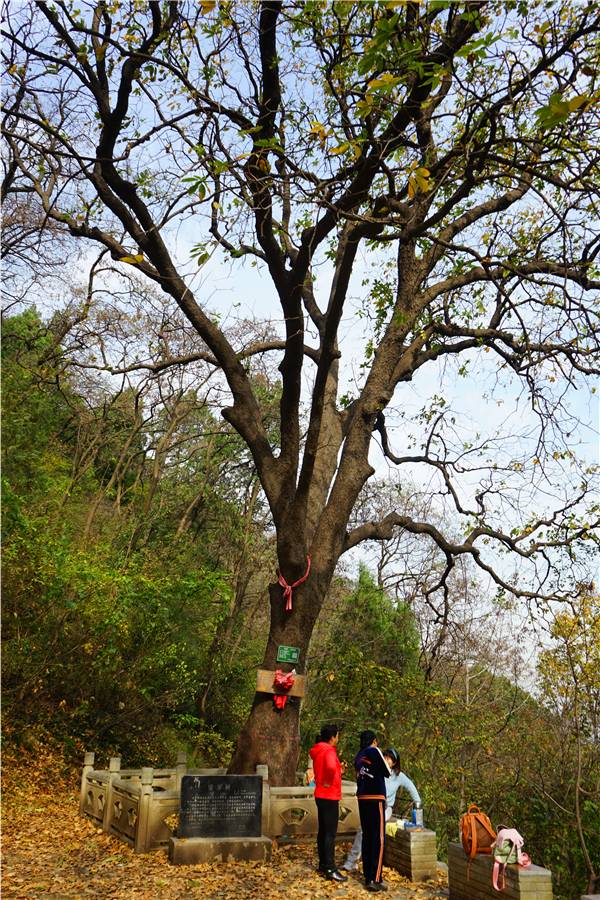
(371, 772)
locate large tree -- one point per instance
(447, 144)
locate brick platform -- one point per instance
(412, 853)
(532, 883)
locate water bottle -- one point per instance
(417, 813)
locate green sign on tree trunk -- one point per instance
(288, 654)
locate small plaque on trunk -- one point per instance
(288, 654)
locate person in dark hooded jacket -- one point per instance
(328, 793)
(371, 773)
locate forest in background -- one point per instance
(137, 552)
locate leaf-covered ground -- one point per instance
(49, 851)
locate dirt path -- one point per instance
(50, 852)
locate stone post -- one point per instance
(180, 769)
(143, 819)
(263, 771)
(114, 770)
(88, 766)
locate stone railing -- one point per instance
(136, 804)
(293, 813)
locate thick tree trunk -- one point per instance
(272, 736)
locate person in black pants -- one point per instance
(328, 793)
(371, 772)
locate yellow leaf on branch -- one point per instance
(337, 151)
(132, 260)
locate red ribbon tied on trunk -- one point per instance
(288, 588)
(282, 682)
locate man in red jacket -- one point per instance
(328, 793)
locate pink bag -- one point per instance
(507, 850)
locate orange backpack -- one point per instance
(476, 832)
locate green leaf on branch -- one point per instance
(202, 253)
(557, 110)
(197, 185)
